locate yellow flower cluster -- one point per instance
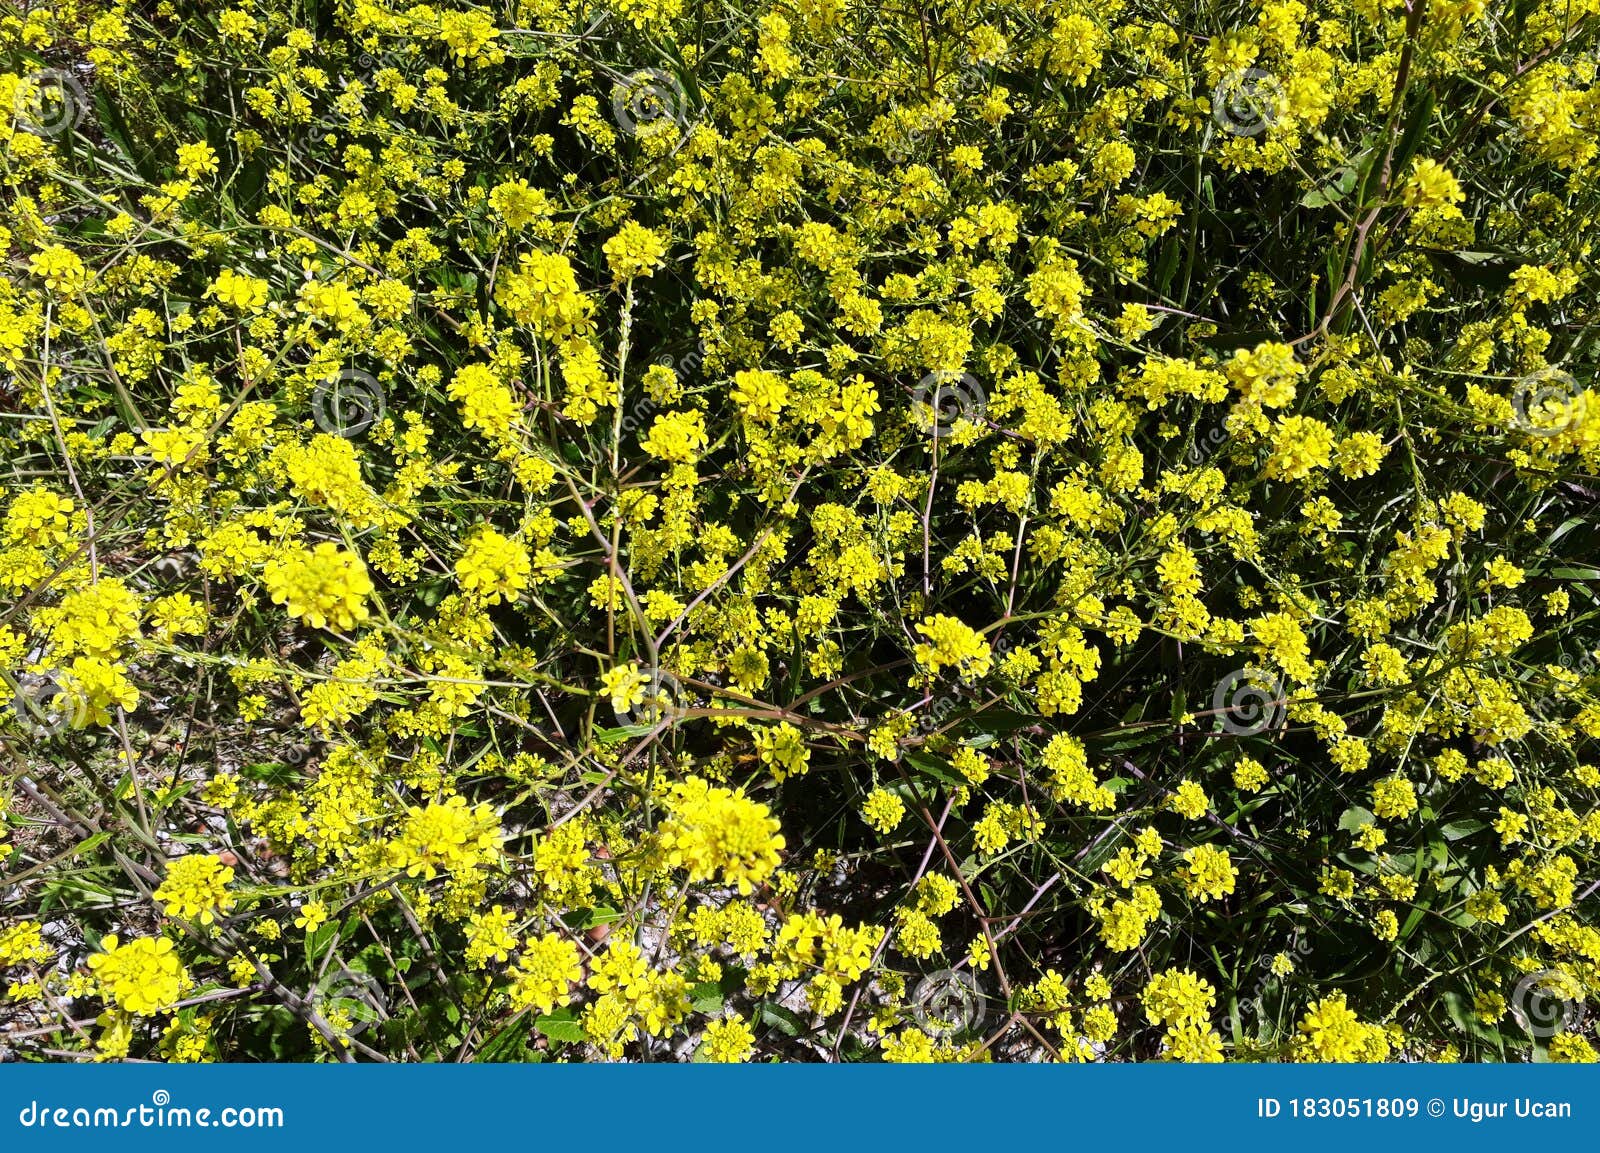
(196, 886)
(718, 832)
(325, 586)
(143, 976)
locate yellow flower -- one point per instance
(676, 437)
(38, 517)
(196, 160)
(91, 687)
(1178, 997)
(487, 404)
(518, 203)
(469, 35)
(1299, 445)
(1393, 798)
(143, 976)
(60, 270)
(312, 916)
(494, 566)
(760, 395)
(634, 251)
(1189, 800)
(1430, 185)
(883, 811)
(324, 586)
(489, 937)
(1207, 873)
(713, 831)
(445, 835)
(728, 1040)
(545, 973)
(783, 750)
(1331, 1032)
(196, 887)
(952, 643)
(239, 292)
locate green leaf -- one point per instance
(89, 844)
(1455, 830)
(562, 1025)
(581, 919)
(317, 943)
(626, 732)
(1411, 139)
(1148, 738)
(783, 1020)
(1338, 185)
(273, 773)
(707, 998)
(1355, 818)
(508, 1045)
(935, 767)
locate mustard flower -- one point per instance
(713, 831)
(196, 886)
(325, 586)
(143, 976)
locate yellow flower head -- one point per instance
(143, 976)
(325, 586)
(196, 887)
(716, 832)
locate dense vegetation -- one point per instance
(807, 529)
